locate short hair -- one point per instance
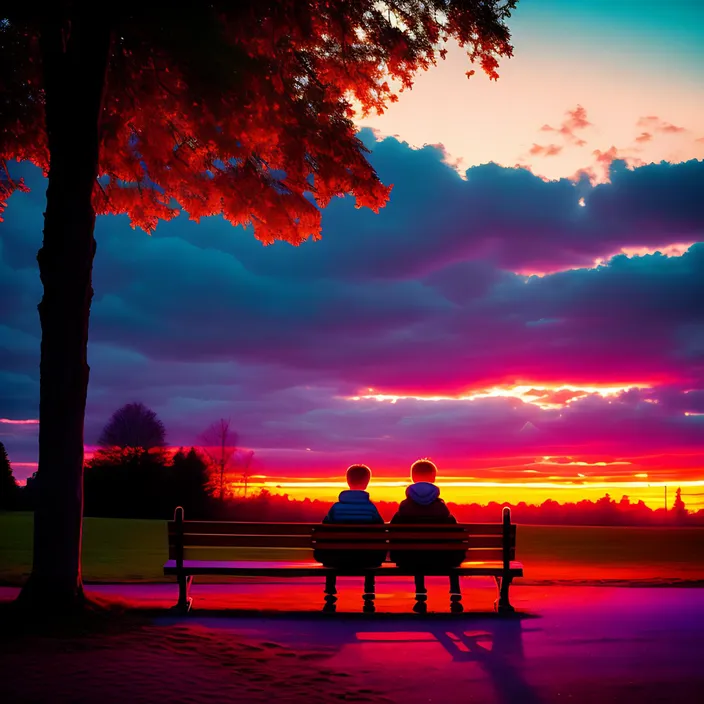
(358, 474)
(423, 470)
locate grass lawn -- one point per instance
(130, 550)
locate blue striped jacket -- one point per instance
(353, 506)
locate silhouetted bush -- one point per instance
(140, 484)
(9, 491)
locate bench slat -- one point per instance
(312, 569)
(251, 528)
(294, 541)
(425, 547)
(228, 553)
(370, 538)
(242, 528)
(381, 534)
(490, 554)
(485, 554)
(471, 541)
(349, 541)
(427, 529)
(251, 541)
(469, 528)
(351, 534)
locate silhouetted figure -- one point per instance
(353, 506)
(424, 505)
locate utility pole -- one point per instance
(666, 498)
(223, 433)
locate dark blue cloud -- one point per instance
(201, 321)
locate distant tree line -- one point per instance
(264, 506)
(132, 476)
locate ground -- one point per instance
(264, 641)
(567, 644)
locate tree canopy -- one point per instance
(243, 108)
(133, 426)
(238, 108)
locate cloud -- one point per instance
(575, 121)
(545, 150)
(600, 171)
(656, 123)
(427, 298)
(644, 137)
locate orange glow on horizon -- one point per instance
(579, 463)
(528, 393)
(533, 479)
(461, 483)
(457, 490)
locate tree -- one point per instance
(8, 483)
(190, 479)
(679, 510)
(219, 445)
(242, 109)
(130, 483)
(133, 427)
(243, 462)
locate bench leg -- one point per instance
(330, 591)
(184, 600)
(369, 594)
(502, 605)
(455, 594)
(420, 607)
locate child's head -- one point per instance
(358, 476)
(423, 471)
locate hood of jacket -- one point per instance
(353, 496)
(423, 493)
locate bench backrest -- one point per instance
(483, 542)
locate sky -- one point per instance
(527, 310)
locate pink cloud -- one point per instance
(659, 125)
(576, 120)
(558, 397)
(546, 150)
(599, 171)
(644, 137)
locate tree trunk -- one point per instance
(75, 47)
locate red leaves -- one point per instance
(8, 186)
(248, 114)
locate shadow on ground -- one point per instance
(493, 642)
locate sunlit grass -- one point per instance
(132, 550)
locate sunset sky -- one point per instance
(528, 310)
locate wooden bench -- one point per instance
(490, 551)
